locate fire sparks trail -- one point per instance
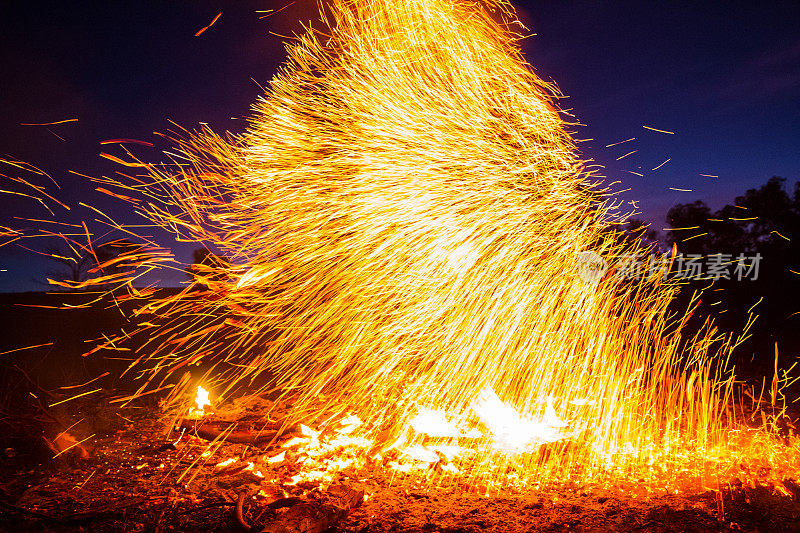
(203, 29)
(49, 123)
(400, 227)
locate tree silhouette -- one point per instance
(762, 223)
(100, 267)
(761, 220)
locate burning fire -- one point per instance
(398, 231)
(201, 402)
(512, 431)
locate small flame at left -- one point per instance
(202, 401)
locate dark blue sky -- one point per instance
(724, 76)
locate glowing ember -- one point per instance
(227, 462)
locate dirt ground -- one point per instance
(132, 475)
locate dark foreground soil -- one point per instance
(132, 476)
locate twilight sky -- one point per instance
(724, 76)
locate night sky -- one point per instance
(724, 76)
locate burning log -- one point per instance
(240, 432)
(316, 514)
(97, 513)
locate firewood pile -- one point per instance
(144, 473)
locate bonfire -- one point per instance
(402, 292)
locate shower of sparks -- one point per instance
(399, 233)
